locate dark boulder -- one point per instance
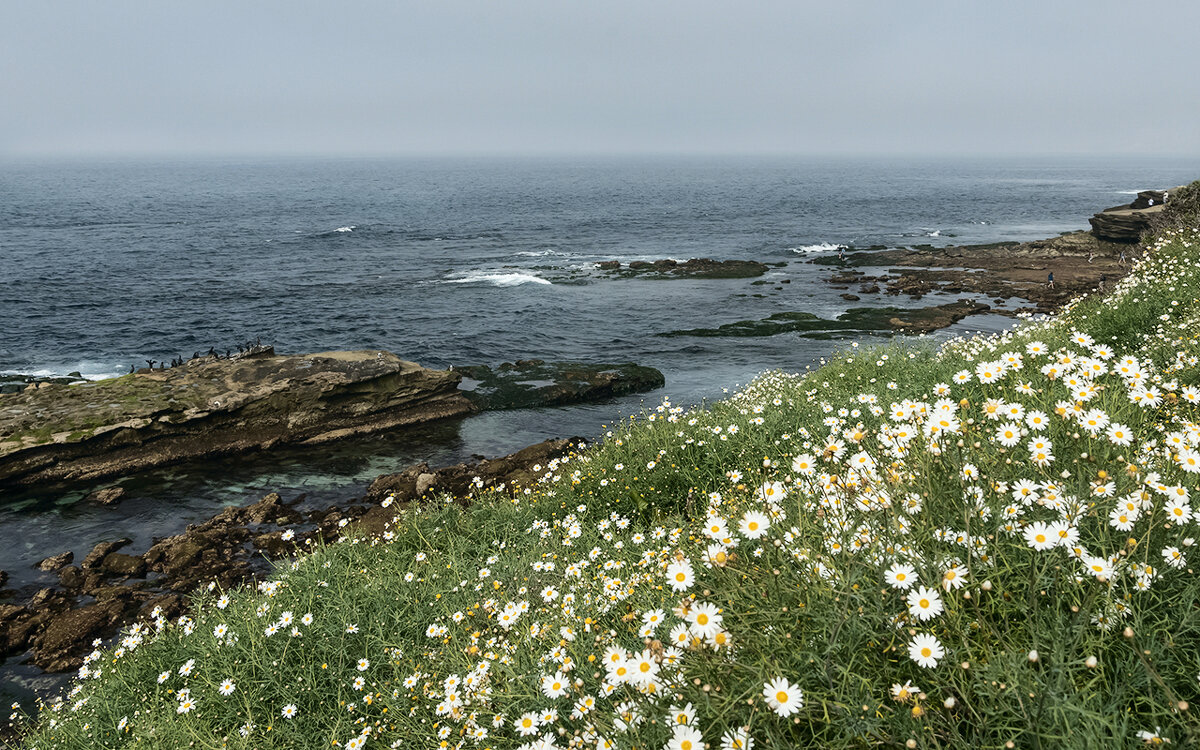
(55, 562)
(118, 564)
(101, 551)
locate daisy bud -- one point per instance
(949, 702)
(1128, 632)
(1091, 662)
(1033, 655)
(986, 585)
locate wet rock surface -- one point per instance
(853, 321)
(114, 585)
(534, 382)
(1078, 260)
(212, 407)
(694, 268)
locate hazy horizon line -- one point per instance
(566, 154)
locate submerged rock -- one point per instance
(695, 268)
(212, 407)
(855, 320)
(533, 382)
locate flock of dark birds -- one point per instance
(212, 352)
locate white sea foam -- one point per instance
(539, 253)
(495, 278)
(821, 247)
(934, 233)
(87, 371)
(345, 229)
(1128, 192)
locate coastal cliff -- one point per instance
(211, 407)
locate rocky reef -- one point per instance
(694, 268)
(855, 320)
(1078, 260)
(533, 382)
(213, 407)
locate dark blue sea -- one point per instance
(104, 264)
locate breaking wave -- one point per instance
(821, 247)
(495, 278)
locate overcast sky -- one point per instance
(608, 76)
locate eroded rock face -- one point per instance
(1126, 223)
(211, 407)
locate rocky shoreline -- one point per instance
(1081, 262)
(54, 431)
(53, 627)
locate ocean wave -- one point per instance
(1128, 192)
(86, 372)
(495, 278)
(820, 247)
(540, 253)
(349, 228)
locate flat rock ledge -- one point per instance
(211, 407)
(1126, 223)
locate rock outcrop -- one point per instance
(1126, 223)
(1079, 261)
(211, 407)
(533, 382)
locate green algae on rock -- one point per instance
(533, 382)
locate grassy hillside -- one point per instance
(990, 544)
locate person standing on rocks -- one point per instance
(1050, 280)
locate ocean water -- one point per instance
(105, 264)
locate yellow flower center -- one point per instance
(924, 603)
(926, 652)
(781, 697)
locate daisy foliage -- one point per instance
(1008, 522)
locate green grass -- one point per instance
(847, 472)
